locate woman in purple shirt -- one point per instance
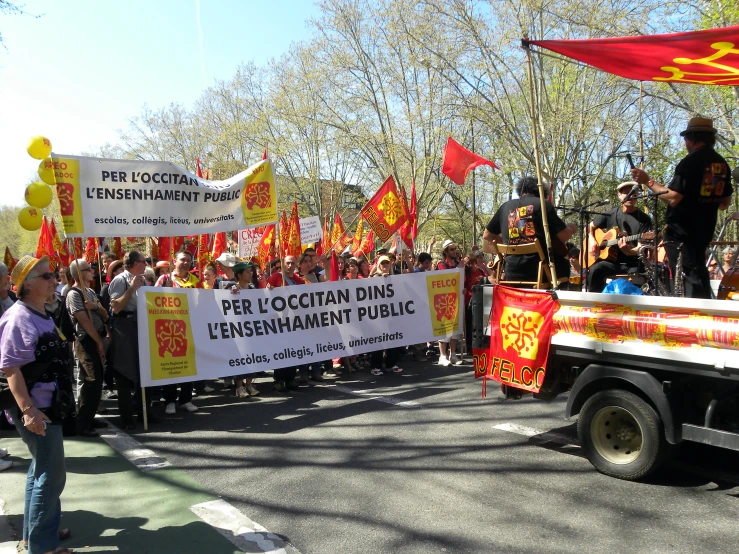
(34, 358)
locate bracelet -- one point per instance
(26, 409)
(651, 183)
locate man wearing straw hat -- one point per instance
(699, 188)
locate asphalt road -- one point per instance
(413, 463)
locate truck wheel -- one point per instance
(621, 434)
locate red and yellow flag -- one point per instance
(203, 255)
(60, 246)
(164, 249)
(709, 57)
(367, 246)
(338, 239)
(266, 248)
(177, 243)
(384, 212)
(325, 243)
(284, 232)
(293, 247)
(357, 241)
(521, 331)
(91, 250)
(9, 260)
(79, 251)
(219, 244)
(117, 248)
(45, 246)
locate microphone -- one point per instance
(602, 203)
(631, 162)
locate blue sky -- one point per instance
(78, 72)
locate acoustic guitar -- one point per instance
(606, 240)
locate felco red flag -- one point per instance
(384, 212)
(520, 335)
(709, 57)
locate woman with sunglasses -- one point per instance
(34, 357)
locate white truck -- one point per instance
(643, 373)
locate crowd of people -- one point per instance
(79, 324)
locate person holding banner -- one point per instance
(448, 350)
(125, 338)
(180, 278)
(244, 273)
(285, 376)
(392, 355)
(225, 263)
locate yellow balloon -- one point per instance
(39, 195)
(46, 171)
(30, 218)
(39, 147)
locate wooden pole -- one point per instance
(542, 196)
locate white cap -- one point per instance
(227, 259)
(447, 243)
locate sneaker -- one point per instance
(291, 385)
(280, 386)
(396, 369)
(3, 452)
(5, 464)
(444, 361)
(376, 371)
(252, 390)
(111, 394)
(189, 406)
(170, 409)
(454, 360)
(241, 392)
(208, 389)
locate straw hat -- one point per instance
(24, 266)
(112, 267)
(699, 125)
(630, 184)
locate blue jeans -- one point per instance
(47, 475)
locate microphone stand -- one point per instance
(648, 195)
(584, 211)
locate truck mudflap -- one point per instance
(597, 377)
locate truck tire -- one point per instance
(621, 434)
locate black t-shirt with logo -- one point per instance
(702, 177)
(634, 223)
(519, 222)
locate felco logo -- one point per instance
(171, 337)
(257, 194)
(445, 305)
(520, 330)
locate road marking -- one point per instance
(243, 532)
(538, 434)
(372, 395)
(239, 529)
(132, 450)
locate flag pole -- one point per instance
(474, 209)
(535, 137)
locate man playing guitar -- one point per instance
(622, 256)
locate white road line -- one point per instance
(372, 395)
(132, 450)
(244, 533)
(538, 434)
(239, 529)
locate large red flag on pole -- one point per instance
(384, 212)
(219, 244)
(708, 57)
(458, 161)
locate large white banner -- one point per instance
(134, 198)
(194, 334)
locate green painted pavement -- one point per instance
(111, 506)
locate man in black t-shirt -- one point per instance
(700, 187)
(519, 222)
(622, 257)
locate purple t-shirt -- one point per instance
(25, 336)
